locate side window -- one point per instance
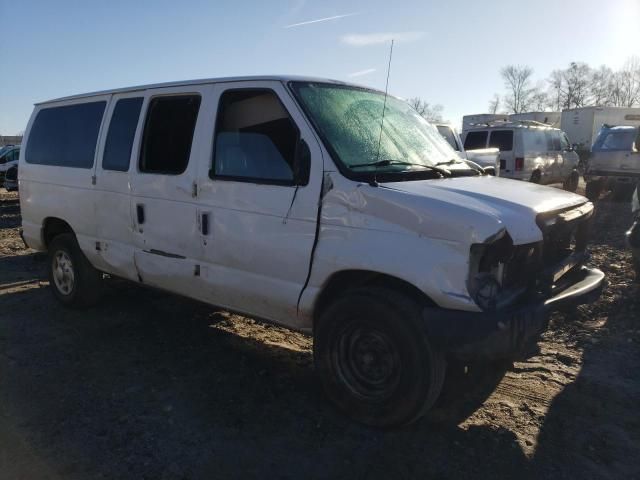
(475, 140)
(553, 140)
(122, 130)
(168, 133)
(535, 140)
(502, 140)
(564, 141)
(65, 136)
(255, 138)
(447, 133)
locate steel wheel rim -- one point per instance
(367, 362)
(63, 273)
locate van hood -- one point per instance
(491, 203)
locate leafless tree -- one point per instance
(517, 80)
(494, 104)
(625, 86)
(556, 82)
(576, 85)
(432, 113)
(600, 82)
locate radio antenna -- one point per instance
(384, 106)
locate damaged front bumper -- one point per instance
(510, 333)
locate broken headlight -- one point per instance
(487, 269)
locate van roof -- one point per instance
(514, 124)
(203, 81)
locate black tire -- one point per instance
(73, 280)
(374, 359)
(572, 182)
(593, 190)
(536, 177)
(622, 192)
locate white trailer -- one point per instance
(583, 124)
(550, 118)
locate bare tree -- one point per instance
(556, 84)
(600, 82)
(517, 80)
(432, 113)
(625, 86)
(494, 104)
(576, 83)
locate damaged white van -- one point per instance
(312, 204)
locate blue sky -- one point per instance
(447, 52)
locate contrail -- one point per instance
(335, 17)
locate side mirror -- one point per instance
(490, 171)
(302, 165)
(574, 147)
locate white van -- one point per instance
(529, 151)
(281, 199)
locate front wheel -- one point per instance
(374, 358)
(572, 181)
(73, 280)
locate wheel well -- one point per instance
(536, 174)
(53, 227)
(341, 282)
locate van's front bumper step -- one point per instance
(509, 333)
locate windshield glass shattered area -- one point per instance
(349, 119)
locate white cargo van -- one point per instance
(529, 151)
(293, 201)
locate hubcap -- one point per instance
(368, 362)
(63, 274)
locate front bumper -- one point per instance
(509, 333)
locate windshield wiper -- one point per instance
(472, 165)
(384, 163)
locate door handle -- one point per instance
(204, 223)
(140, 213)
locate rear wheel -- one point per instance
(73, 280)
(374, 358)
(572, 181)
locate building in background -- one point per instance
(10, 140)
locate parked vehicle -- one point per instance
(11, 179)
(633, 235)
(470, 121)
(582, 125)
(614, 163)
(289, 200)
(528, 151)
(8, 158)
(487, 158)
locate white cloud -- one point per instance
(318, 20)
(362, 40)
(360, 73)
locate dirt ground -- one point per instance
(151, 386)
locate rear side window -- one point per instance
(475, 140)
(65, 136)
(122, 130)
(255, 138)
(168, 133)
(534, 140)
(502, 140)
(553, 140)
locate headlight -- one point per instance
(486, 269)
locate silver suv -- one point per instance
(615, 162)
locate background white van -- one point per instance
(529, 151)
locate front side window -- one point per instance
(122, 130)
(168, 133)
(475, 140)
(65, 136)
(255, 138)
(553, 140)
(350, 121)
(502, 140)
(565, 145)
